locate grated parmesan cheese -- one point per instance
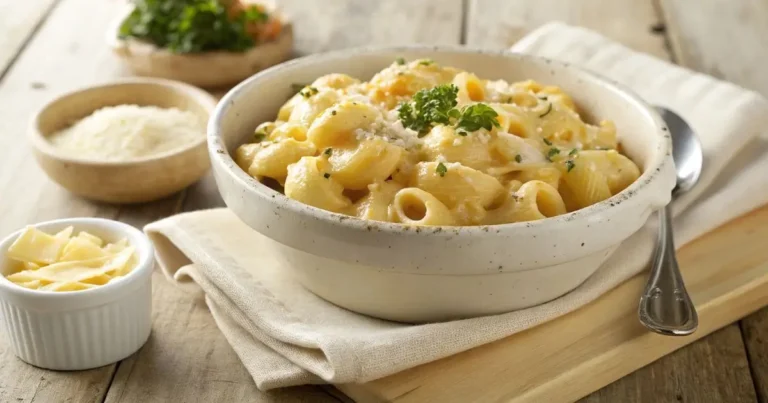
(392, 131)
(124, 132)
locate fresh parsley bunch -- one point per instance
(438, 106)
(190, 26)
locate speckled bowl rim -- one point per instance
(41, 143)
(218, 150)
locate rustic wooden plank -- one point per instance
(187, 358)
(755, 332)
(18, 22)
(75, 55)
(726, 39)
(740, 57)
(337, 24)
(674, 378)
(500, 23)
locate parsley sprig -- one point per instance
(476, 117)
(190, 26)
(438, 106)
(428, 108)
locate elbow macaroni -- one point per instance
(340, 145)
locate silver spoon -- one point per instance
(665, 306)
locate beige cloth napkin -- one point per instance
(287, 336)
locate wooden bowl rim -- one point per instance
(42, 145)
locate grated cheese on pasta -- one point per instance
(392, 131)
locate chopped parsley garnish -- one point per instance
(429, 107)
(570, 164)
(260, 133)
(308, 92)
(476, 117)
(438, 106)
(552, 152)
(547, 142)
(542, 97)
(518, 158)
(400, 61)
(326, 175)
(573, 152)
(426, 62)
(548, 110)
(441, 169)
(295, 87)
(328, 151)
(333, 113)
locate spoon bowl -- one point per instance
(686, 150)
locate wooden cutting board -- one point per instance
(726, 272)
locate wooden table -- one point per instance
(50, 46)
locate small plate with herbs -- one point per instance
(208, 43)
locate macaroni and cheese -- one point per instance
(424, 144)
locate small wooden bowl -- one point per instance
(136, 180)
(208, 69)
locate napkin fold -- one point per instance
(287, 336)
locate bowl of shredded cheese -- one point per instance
(76, 293)
(128, 141)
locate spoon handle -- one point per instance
(665, 306)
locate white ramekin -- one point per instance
(80, 329)
(424, 274)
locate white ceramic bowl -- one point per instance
(423, 274)
(80, 329)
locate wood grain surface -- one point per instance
(18, 21)
(51, 46)
(501, 23)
